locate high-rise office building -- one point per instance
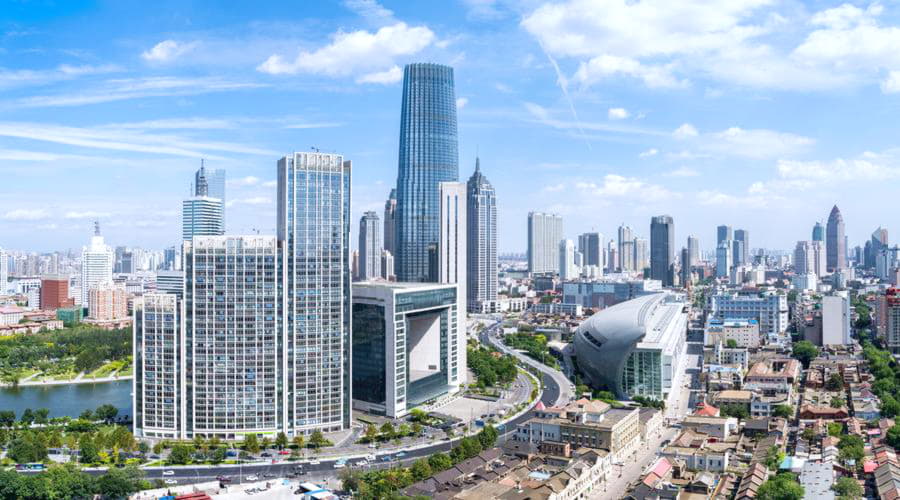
(591, 246)
(626, 248)
(662, 249)
(809, 258)
(545, 231)
(453, 248)
(55, 292)
(743, 236)
(693, 246)
(387, 266)
(737, 253)
(390, 223)
(875, 246)
(724, 263)
(835, 241)
(723, 233)
(685, 267)
(641, 254)
(818, 232)
(158, 396)
(567, 269)
(202, 216)
(314, 234)
(97, 262)
(612, 256)
(428, 156)
(370, 248)
(211, 183)
(481, 241)
(4, 270)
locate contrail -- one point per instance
(564, 86)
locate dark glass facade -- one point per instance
(428, 156)
(369, 365)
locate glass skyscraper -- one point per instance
(662, 249)
(314, 234)
(481, 241)
(428, 156)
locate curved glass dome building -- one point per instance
(635, 348)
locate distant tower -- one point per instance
(370, 248)
(544, 234)
(743, 236)
(835, 241)
(693, 246)
(481, 241)
(97, 262)
(211, 183)
(818, 232)
(390, 223)
(723, 233)
(662, 249)
(626, 248)
(567, 260)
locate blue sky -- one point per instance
(756, 113)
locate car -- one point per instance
(284, 452)
(401, 454)
(268, 475)
(171, 481)
(362, 463)
(314, 462)
(373, 445)
(252, 477)
(370, 458)
(339, 465)
(386, 458)
(223, 479)
(265, 454)
(168, 473)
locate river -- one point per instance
(68, 400)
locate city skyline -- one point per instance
(120, 121)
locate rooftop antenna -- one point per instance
(317, 150)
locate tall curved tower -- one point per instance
(428, 156)
(835, 243)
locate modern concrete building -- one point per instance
(567, 268)
(4, 270)
(170, 282)
(390, 223)
(453, 247)
(545, 231)
(159, 372)
(96, 264)
(770, 309)
(835, 241)
(742, 250)
(428, 156)
(107, 302)
(211, 182)
(626, 248)
(724, 263)
(662, 249)
(693, 245)
(836, 319)
(387, 266)
(892, 319)
(370, 248)
(641, 254)
(636, 348)
(481, 242)
(818, 232)
(724, 233)
(809, 257)
(55, 292)
(744, 332)
(591, 246)
(408, 345)
(313, 231)
(607, 291)
(202, 216)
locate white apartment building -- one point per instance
(97, 262)
(836, 319)
(768, 308)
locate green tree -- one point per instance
(217, 455)
(837, 402)
(298, 441)
(735, 410)
(251, 443)
(774, 457)
(265, 443)
(488, 436)
(281, 441)
(851, 447)
(7, 418)
(808, 434)
(180, 454)
(87, 415)
(66, 481)
(805, 351)
(835, 382)
(106, 412)
(27, 417)
(120, 483)
(439, 462)
(387, 430)
(157, 447)
(890, 408)
(317, 440)
(371, 433)
(88, 450)
(847, 488)
(783, 411)
(27, 447)
(421, 469)
(731, 343)
(781, 487)
(417, 428)
(893, 436)
(40, 415)
(418, 415)
(835, 429)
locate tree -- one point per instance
(893, 436)
(265, 443)
(27, 417)
(805, 351)
(781, 487)
(106, 412)
(251, 443)
(40, 415)
(439, 462)
(808, 434)
(120, 483)
(847, 488)
(774, 457)
(783, 411)
(217, 455)
(835, 382)
(735, 410)
(731, 343)
(7, 418)
(199, 443)
(488, 436)
(418, 415)
(317, 440)
(158, 447)
(298, 441)
(371, 433)
(417, 428)
(421, 469)
(281, 441)
(404, 430)
(180, 454)
(88, 449)
(851, 447)
(836, 402)
(387, 430)
(66, 481)
(835, 429)
(87, 415)
(890, 408)
(27, 447)
(143, 447)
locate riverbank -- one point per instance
(74, 381)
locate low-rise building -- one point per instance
(720, 427)
(745, 332)
(11, 315)
(698, 452)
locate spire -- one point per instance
(202, 184)
(96, 228)
(477, 165)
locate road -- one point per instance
(566, 392)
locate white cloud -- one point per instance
(502, 87)
(617, 113)
(63, 72)
(26, 214)
(684, 131)
(256, 200)
(683, 172)
(356, 52)
(85, 215)
(602, 67)
(483, 10)
(838, 170)
(555, 188)
(386, 77)
(167, 51)
(461, 102)
(619, 186)
(546, 117)
(891, 84)
(371, 10)
(243, 181)
(648, 153)
(270, 184)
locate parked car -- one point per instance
(314, 462)
(171, 481)
(265, 454)
(168, 473)
(252, 477)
